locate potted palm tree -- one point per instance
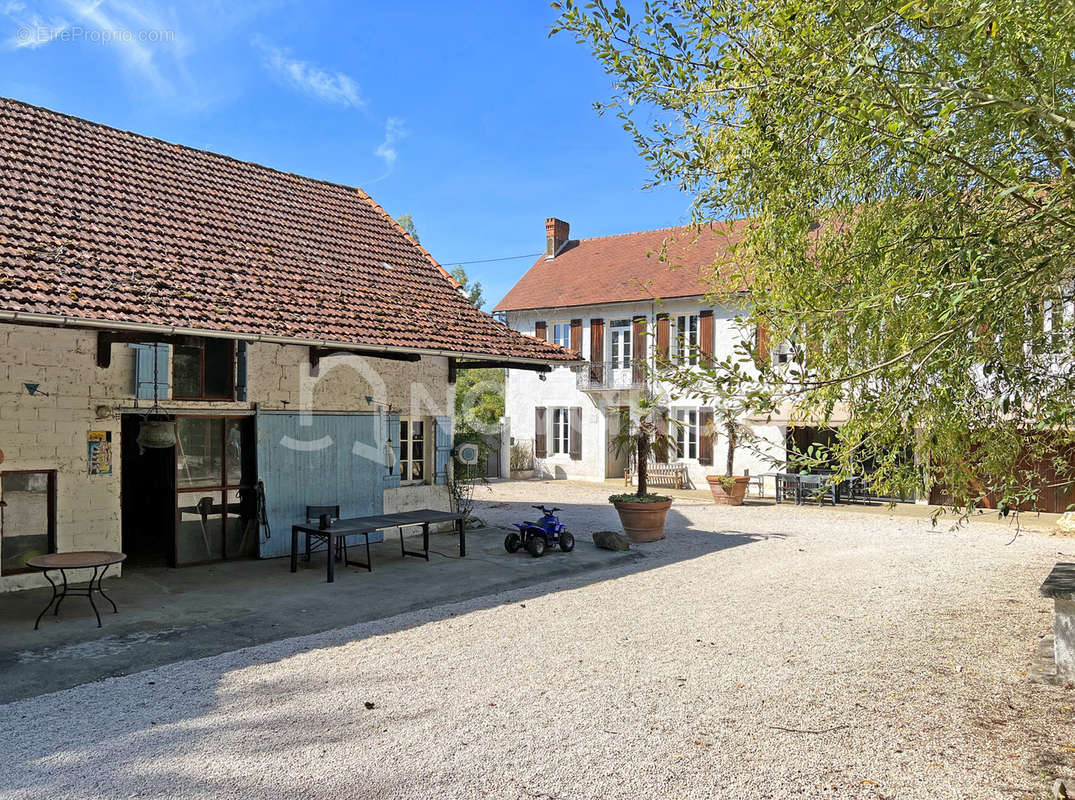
(729, 489)
(642, 514)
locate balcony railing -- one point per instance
(609, 376)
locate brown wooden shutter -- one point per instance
(660, 447)
(761, 341)
(597, 350)
(663, 335)
(540, 330)
(574, 440)
(576, 335)
(540, 433)
(638, 349)
(706, 436)
(705, 337)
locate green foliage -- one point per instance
(479, 393)
(639, 433)
(473, 291)
(479, 398)
(905, 176)
(727, 483)
(637, 498)
(406, 221)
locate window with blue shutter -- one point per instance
(443, 448)
(149, 360)
(389, 424)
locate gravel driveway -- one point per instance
(756, 653)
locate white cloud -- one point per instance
(393, 132)
(332, 87)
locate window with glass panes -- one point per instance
(561, 334)
(215, 501)
(687, 433)
(203, 369)
(620, 343)
(27, 518)
(685, 340)
(561, 426)
(412, 450)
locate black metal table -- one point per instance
(364, 526)
(79, 559)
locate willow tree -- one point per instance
(905, 173)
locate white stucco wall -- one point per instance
(525, 391)
(49, 432)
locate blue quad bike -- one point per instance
(537, 537)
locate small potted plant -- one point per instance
(729, 489)
(642, 514)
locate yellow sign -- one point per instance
(99, 450)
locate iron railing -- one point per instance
(609, 376)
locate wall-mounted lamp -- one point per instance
(33, 390)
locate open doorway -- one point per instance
(148, 499)
(615, 461)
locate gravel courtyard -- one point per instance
(759, 652)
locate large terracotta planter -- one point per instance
(643, 522)
(729, 498)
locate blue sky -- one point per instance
(465, 115)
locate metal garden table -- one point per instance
(364, 526)
(818, 487)
(80, 559)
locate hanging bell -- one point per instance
(156, 433)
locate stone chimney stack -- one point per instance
(557, 233)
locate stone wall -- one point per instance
(48, 431)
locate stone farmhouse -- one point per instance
(288, 327)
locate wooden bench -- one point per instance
(1060, 586)
(674, 475)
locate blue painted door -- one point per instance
(318, 459)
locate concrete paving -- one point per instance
(169, 615)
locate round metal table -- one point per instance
(97, 560)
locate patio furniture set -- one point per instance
(334, 534)
(803, 487)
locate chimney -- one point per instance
(556, 236)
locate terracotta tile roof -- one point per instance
(99, 224)
(625, 267)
